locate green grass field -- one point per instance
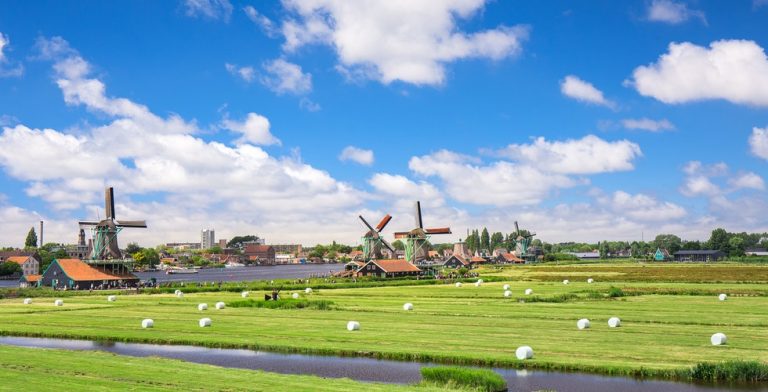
(666, 325)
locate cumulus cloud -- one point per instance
(7, 69)
(583, 91)
(643, 207)
(673, 12)
(647, 124)
(747, 181)
(208, 9)
(359, 155)
(402, 187)
(758, 142)
(733, 70)
(403, 41)
(309, 105)
(247, 74)
(255, 129)
(260, 20)
(286, 77)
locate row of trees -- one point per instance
(732, 244)
(484, 240)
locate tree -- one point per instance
(237, 241)
(31, 241)
(132, 248)
(736, 243)
(398, 245)
(691, 245)
(670, 242)
(485, 240)
(9, 269)
(151, 257)
(215, 250)
(497, 240)
(719, 240)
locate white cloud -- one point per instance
(208, 9)
(359, 155)
(643, 207)
(259, 19)
(5, 71)
(758, 142)
(248, 74)
(747, 181)
(285, 77)
(581, 90)
(733, 70)
(647, 124)
(255, 129)
(588, 155)
(309, 105)
(672, 12)
(408, 41)
(402, 187)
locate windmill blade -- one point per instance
(439, 230)
(417, 214)
(383, 223)
(87, 223)
(365, 222)
(517, 228)
(391, 249)
(142, 224)
(109, 202)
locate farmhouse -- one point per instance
(699, 255)
(29, 281)
(455, 261)
(388, 269)
(76, 274)
(29, 264)
(509, 258)
(477, 260)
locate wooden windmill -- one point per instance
(105, 231)
(522, 241)
(416, 239)
(373, 241)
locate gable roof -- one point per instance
(395, 265)
(461, 259)
(510, 257)
(698, 252)
(477, 259)
(18, 259)
(258, 248)
(30, 278)
(76, 269)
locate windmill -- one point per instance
(522, 240)
(416, 239)
(372, 240)
(105, 231)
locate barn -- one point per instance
(74, 274)
(388, 269)
(455, 261)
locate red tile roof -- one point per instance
(31, 278)
(78, 270)
(477, 259)
(18, 259)
(396, 265)
(510, 257)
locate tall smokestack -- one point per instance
(41, 234)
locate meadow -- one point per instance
(666, 319)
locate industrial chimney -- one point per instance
(41, 234)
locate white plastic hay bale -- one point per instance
(147, 323)
(718, 339)
(478, 283)
(590, 280)
(244, 294)
(179, 294)
(528, 291)
(408, 306)
(112, 298)
(220, 305)
(507, 293)
(58, 302)
(582, 324)
(614, 322)
(202, 307)
(27, 301)
(566, 281)
(308, 290)
(295, 295)
(204, 322)
(505, 287)
(458, 284)
(723, 297)
(524, 352)
(353, 326)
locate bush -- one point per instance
(615, 292)
(457, 377)
(283, 304)
(731, 371)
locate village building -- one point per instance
(356, 255)
(260, 254)
(699, 255)
(756, 252)
(388, 269)
(29, 264)
(477, 260)
(5, 254)
(29, 281)
(455, 261)
(76, 274)
(661, 255)
(509, 258)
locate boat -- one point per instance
(233, 264)
(180, 271)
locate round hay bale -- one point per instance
(220, 305)
(147, 323)
(112, 298)
(179, 294)
(58, 302)
(202, 307)
(590, 280)
(718, 339)
(524, 352)
(528, 291)
(480, 281)
(566, 281)
(295, 295)
(507, 294)
(244, 294)
(723, 297)
(614, 322)
(204, 322)
(353, 326)
(308, 290)
(27, 301)
(506, 287)
(408, 306)
(582, 324)
(458, 284)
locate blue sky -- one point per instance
(582, 120)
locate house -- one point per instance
(10, 253)
(29, 264)
(356, 255)
(433, 255)
(699, 255)
(509, 258)
(29, 281)
(455, 261)
(353, 265)
(477, 260)
(756, 252)
(499, 251)
(661, 255)
(76, 274)
(260, 254)
(400, 254)
(388, 269)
